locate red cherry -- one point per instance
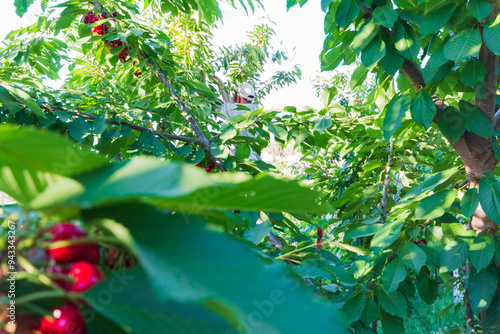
(198, 164)
(319, 244)
(207, 169)
(319, 231)
(211, 165)
(65, 284)
(137, 73)
(114, 14)
(68, 231)
(93, 256)
(67, 319)
(104, 15)
(86, 275)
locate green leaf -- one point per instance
(445, 310)
(323, 123)
(489, 197)
(31, 159)
(9, 101)
(346, 12)
(253, 291)
(26, 99)
(259, 232)
(423, 108)
(101, 53)
(99, 124)
(473, 72)
(492, 317)
(491, 35)
(200, 87)
(430, 183)
(482, 287)
(392, 61)
(299, 133)
(393, 303)
(373, 52)
(479, 8)
(474, 119)
(432, 75)
(353, 308)
(22, 6)
(65, 21)
(363, 231)
(437, 20)
(451, 124)
(394, 273)
(453, 256)
(412, 256)
(358, 77)
(117, 299)
(394, 114)
(391, 324)
(385, 16)
(462, 45)
(427, 287)
(327, 95)
(470, 202)
(481, 251)
(187, 188)
(386, 235)
(365, 34)
(242, 151)
(371, 165)
(278, 131)
(434, 206)
(79, 129)
(438, 58)
(332, 58)
(407, 41)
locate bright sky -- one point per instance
(299, 28)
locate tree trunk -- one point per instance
(475, 151)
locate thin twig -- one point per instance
(386, 182)
(130, 125)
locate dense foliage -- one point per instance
(399, 192)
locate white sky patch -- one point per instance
(299, 28)
(298, 31)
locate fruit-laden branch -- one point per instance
(202, 140)
(130, 125)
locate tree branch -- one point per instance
(130, 125)
(386, 182)
(469, 314)
(203, 141)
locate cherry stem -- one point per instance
(83, 240)
(46, 294)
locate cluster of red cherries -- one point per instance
(416, 242)
(103, 29)
(319, 233)
(208, 168)
(100, 29)
(76, 271)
